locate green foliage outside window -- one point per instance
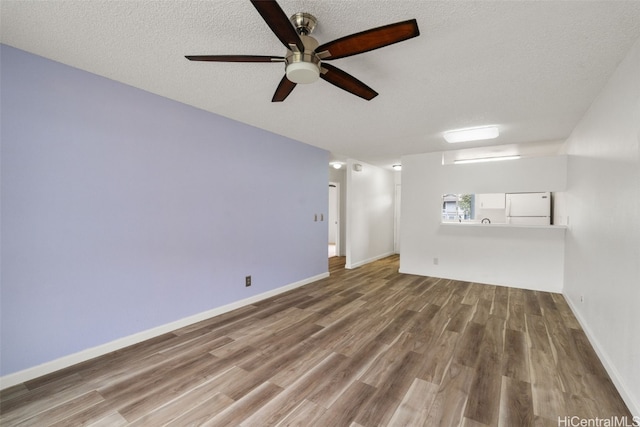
(464, 203)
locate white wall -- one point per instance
(522, 257)
(603, 241)
(370, 211)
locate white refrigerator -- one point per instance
(528, 208)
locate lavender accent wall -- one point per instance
(123, 211)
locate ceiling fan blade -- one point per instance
(276, 19)
(283, 90)
(346, 81)
(374, 38)
(235, 58)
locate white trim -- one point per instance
(367, 261)
(397, 204)
(90, 353)
(338, 218)
(618, 380)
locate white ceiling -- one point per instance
(531, 67)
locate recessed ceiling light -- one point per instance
(336, 165)
(397, 167)
(471, 134)
(485, 159)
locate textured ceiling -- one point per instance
(533, 68)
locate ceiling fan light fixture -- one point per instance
(471, 134)
(303, 72)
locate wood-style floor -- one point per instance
(365, 347)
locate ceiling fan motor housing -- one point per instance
(303, 67)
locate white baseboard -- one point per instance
(618, 381)
(90, 353)
(367, 261)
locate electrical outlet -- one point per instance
(436, 261)
(247, 281)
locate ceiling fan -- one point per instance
(304, 59)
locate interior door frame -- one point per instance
(337, 219)
(396, 218)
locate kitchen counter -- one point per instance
(501, 225)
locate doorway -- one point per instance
(334, 219)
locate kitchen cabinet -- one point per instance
(490, 201)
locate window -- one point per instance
(457, 207)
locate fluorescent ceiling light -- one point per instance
(471, 134)
(485, 159)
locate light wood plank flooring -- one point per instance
(365, 347)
